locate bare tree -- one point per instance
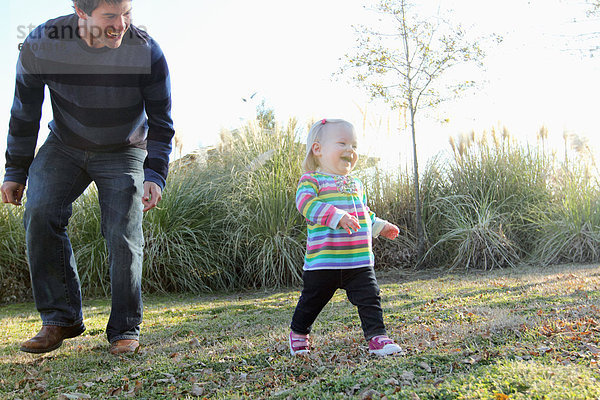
(403, 60)
(581, 37)
(593, 13)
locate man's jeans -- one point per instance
(58, 176)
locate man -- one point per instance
(110, 92)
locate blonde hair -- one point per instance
(315, 134)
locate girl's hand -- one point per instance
(349, 223)
(390, 231)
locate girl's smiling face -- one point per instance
(336, 151)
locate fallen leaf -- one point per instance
(73, 396)
(280, 392)
(197, 390)
(104, 378)
(167, 380)
(369, 394)
(501, 396)
(407, 376)
(592, 349)
(316, 358)
(138, 386)
(544, 349)
(281, 347)
(472, 360)
(425, 366)
(352, 391)
(32, 373)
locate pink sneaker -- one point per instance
(383, 346)
(299, 344)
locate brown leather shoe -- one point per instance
(50, 337)
(124, 346)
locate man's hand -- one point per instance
(152, 195)
(12, 192)
(390, 231)
(349, 223)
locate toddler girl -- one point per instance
(339, 246)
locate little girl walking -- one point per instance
(339, 253)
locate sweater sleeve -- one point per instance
(313, 209)
(157, 102)
(25, 116)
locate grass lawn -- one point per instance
(506, 334)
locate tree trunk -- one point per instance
(412, 107)
(418, 207)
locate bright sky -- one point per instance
(222, 51)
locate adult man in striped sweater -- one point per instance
(110, 92)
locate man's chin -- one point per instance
(114, 44)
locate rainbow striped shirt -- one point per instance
(323, 199)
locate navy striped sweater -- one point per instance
(102, 99)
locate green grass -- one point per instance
(518, 334)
